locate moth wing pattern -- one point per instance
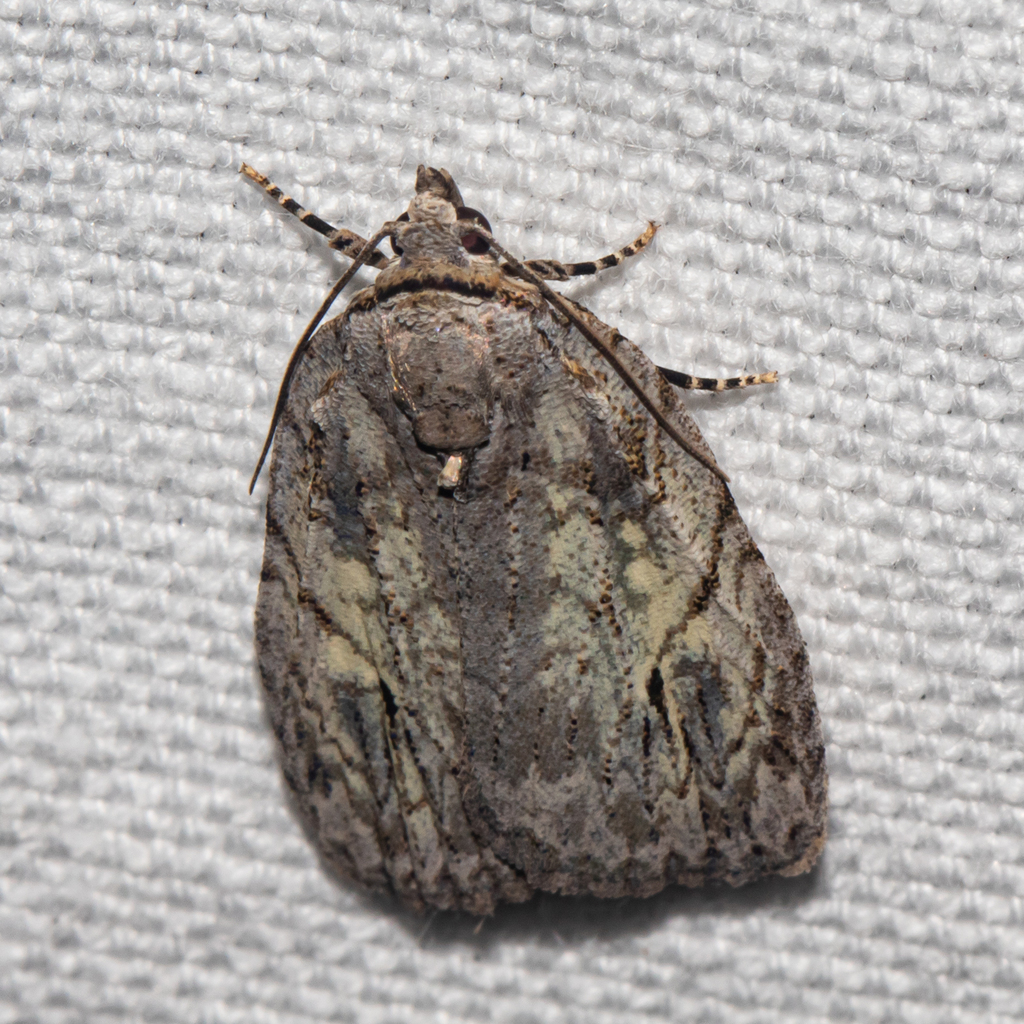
(572, 673)
(368, 721)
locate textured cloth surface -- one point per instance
(840, 190)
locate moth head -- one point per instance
(437, 207)
(438, 182)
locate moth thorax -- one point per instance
(440, 373)
(430, 240)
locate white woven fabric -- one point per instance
(841, 189)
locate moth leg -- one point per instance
(684, 380)
(552, 270)
(345, 241)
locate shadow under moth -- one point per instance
(513, 633)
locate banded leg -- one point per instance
(552, 270)
(345, 241)
(684, 380)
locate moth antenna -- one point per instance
(563, 304)
(303, 343)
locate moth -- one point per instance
(512, 631)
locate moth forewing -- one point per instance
(513, 632)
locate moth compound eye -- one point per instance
(395, 247)
(473, 242)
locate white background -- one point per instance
(841, 188)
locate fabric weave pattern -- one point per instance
(841, 192)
